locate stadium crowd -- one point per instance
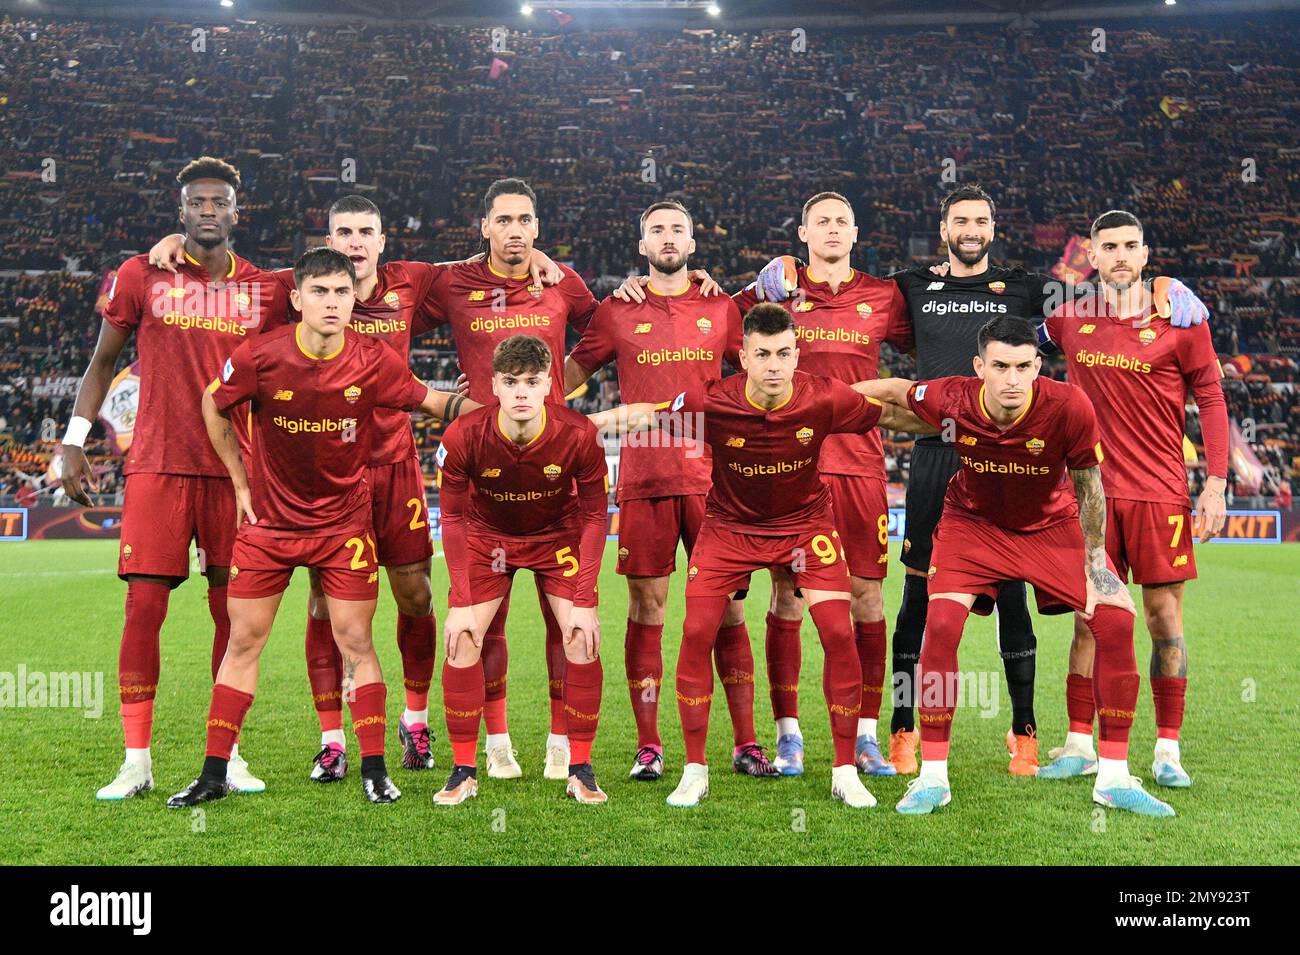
(1199, 139)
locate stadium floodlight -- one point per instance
(714, 10)
(227, 3)
(526, 9)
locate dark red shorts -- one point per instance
(494, 560)
(861, 506)
(724, 559)
(162, 513)
(1152, 540)
(400, 513)
(347, 564)
(649, 529)
(975, 557)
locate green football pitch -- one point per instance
(61, 611)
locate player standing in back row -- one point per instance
(177, 490)
(485, 303)
(946, 312)
(674, 338)
(1139, 372)
(841, 318)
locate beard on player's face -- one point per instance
(969, 255)
(669, 264)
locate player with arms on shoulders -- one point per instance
(947, 305)
(767, 507)
(672, 339)
(484, 303)
(1139, 373)
(842, 316)
(1012, 513)
(314, 389)
(506, 476)
(177, 490)
(390, 298)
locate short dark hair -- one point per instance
(521, 355)
(1008, 330)
(322, 260)
(354, 204)
(1114, 219)
(507, 187)
(209, 167)
(971, 192)
(667, 204)
(821, 197)
(767, 318)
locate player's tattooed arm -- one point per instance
(624, 419)
(224, 441)
(446, 406)
(1103, 585)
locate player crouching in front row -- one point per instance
(767, 508)
(522, 456)
(314, 388)
(1011, 513)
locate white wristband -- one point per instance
(78, 428)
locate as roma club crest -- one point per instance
(552, 472)
(805, 435)
(352, 393)
(997, 288)
(1035, 445)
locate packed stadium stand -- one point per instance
(1193, 129)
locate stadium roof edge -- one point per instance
(823, 15)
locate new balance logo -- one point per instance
(284, 394)
(641, 329)
(934, 287)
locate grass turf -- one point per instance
(62, 611)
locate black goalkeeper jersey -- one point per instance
(948, 311)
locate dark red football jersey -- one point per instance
(765, 475)
(839, 336)
(389, 314)
(484, 307)
(1014, 478)
(312, 419)
(185, 328)
(662, 346)
(1138, 374)
(523, 490)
